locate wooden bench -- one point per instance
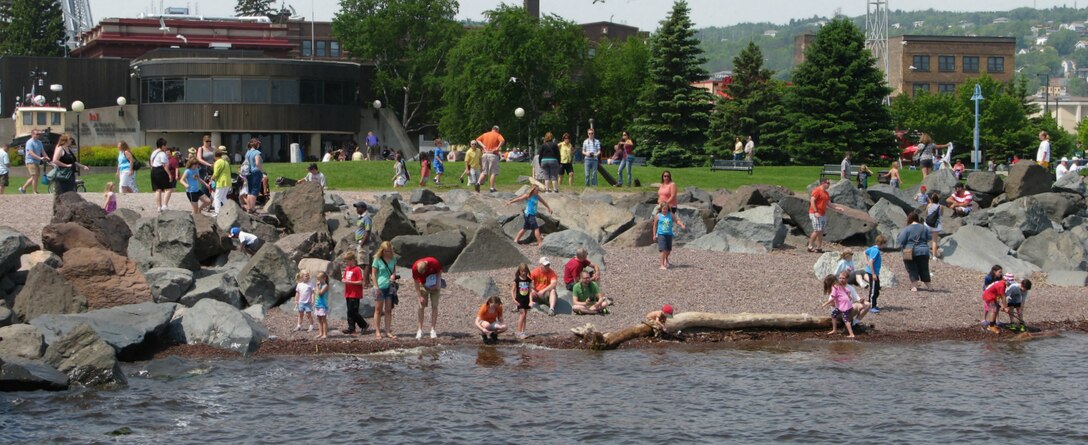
(836, 170)
(638, 160)
(731, 165)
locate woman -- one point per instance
(383, 274)
(205, 155)
(126, 171)
(624, 150)
(928, 152)
(549, 162)
(666, 194)
(915, 239)
(221, 178)
(64, 160)
(934, 206)
(160, 178)
(566, 160)
(400, 171)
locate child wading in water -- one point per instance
(111, 199)
(531, 199)
(321, 304)
(664, 232)
(839, 297)
(304, 299)
(489, 320)
(1017, 294)
(993, 301)
(523, 286)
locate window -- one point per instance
(320, 48)
(921, 63)
(198, 90)
(334, 49)
(307, 49)
(310, 92)
(56, 118)
(285, 91)
(227, 90)
(334, 93)
(946, 64)
(946, 88)
(970, 64)
(173, 90)
(255, 91)
(152, 91)
(28, 118)
(43, 120)
(995, 64)
(921, 88)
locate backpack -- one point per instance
(137, 165)
(933, 219)
(244, 169)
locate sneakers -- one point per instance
(551, 312)
(874, 310)
(522, 336)
(493, 190)
(434, 334)
(419, 334)
(483, 337)
(310, 329)
(605, 311)
(22, 191)
(298, 327)
(494, 337)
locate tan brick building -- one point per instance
(940, 64)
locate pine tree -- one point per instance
(754, 108)
(675, 114)
(248, 8)
(836, 101)
(34, 29)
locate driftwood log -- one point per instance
(703, 320)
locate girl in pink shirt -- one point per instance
(839, 297)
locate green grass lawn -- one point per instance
(377, 175)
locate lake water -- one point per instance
(802, 392)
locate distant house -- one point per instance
(1022, 51)
(770, 32)
(1001, 20)
(919, 23)
(1041, 40)
(895, 25)
(1082, 44)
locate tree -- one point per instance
(1064, 41)
(674, 114)
(945, 117)
(408, 41)
(617, 75)
(34, 30)
(754, 108)
(836, 100)
(249, 8)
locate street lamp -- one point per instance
(78, 107)
(121, 102)
(977, 97)
(1046, 92)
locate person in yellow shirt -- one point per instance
(566, 160)
(472, 165)
(221, 177)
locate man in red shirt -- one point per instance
(353, 292)
(817, 214)
(544, 283)
(427, 274)
(491, 142)
(573, 269)
(960, 201)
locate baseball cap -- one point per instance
(922, 188)
(1010, 277)
(1065, 159)
(234, 231)
(667, 310)
(544, 261)
(360, 204)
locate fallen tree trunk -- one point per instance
(702, 320)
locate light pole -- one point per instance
(377, 104)
(977, 97)
(121, 102)
(1046, 92)
(78, 107)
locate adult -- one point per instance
(221, 179)
(1062, 169)
(160, 178)
(844, 167)
(591, 152)
(958, 169)
(932, 221)
(818, 203)
(573, 269)
(490, 142)
(544, 283)
(205, 154)
(566, 159)
(372, 143)
(353, 280)
(927, 153)
(173, 165)
(364, 238)
(427, 275)
(1075, 166)
(328, 156)
(247, 242)
(749, 149)
(5, 168)
(587, 298)
(549, 162)
(738, 149)
(35, 158)
(960, 201)
(256, 174)
(666, 193)
(625, 149)
(1042, 156)
(64, 160)
(472, 165)
(383, 273)
(914, 240)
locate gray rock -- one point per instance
(641, 235)
(590, 195)
(699, 222)
(984, 200)
(1027, 178)
(209, 240)
(307, 245)
(443, 246)
(601, 221)
(132, 330)
(985, 182)
(1073, 221)
(268, 279)
(1059, 205)
(26, 375)
(315, 266)
(561, 246)
(1011, 236)
(434, 222)
(942, 182)
(255, 312)
(1071, 184)
(488, 250)
(482, 287)
(744, 198)
(1026, 215)
(890, 219)
(13, 245)
(23, 341)
(845, 193)
(514, 224)
(7, 317)
(266, 232)
(392, 221)
(223, 326)
(981, 219)
(774, 193)
(758, 230)
(630, 200)
(1069, 278)
(129, 216)
(825, 266)
(979, 249)
(232, 215)
(168, 284)
(424, 196)
(334, 203)
(47, 292)
(894, 196)
(697, 194)
(85, 358)
(168, 240)
(110, 230)
(301, 208)
(1051, 250)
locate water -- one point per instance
(801, 392)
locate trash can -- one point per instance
(296, 153)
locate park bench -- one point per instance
(638, 160)
(731, 165)
(836, 170)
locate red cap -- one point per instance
(922, 188)
(666, 309)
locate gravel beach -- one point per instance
(779, 282)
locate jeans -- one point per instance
(591, 171)
(625, 164)
(874, 289)
(354, 318)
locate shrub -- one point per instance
(106, 155)
(14, 156)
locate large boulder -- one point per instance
(699, 222)
(1067, 278)
(561, 246)
(168, 284)
(979, 249)
(111, 230)
(334, 203)
(893, 195)
(743, 198)
(698, 195)
(168, 240)
(985, 182)
(60, 238)
(847, 223)
(443, 246)
(515, 223)
(7, 317)
(85, 358)
(13, 245)
(307, 245)
(268, 279)
(213, 285)
(232, 215)
(301, 208)
(825, 265)
(46, 257)
(1059, 205)
(105, 278)
(433, 222)
(601, 221)
(1025, 215)
(482, 287)
(315, 266)
(23, 341)
(223, 326)
(131, 330)
(640, 235)
(757, 230)
(424, 196)
(774, 193)
(392, 221)
(47, 292)
(129, 216)
(1011, 236)
(845, 193)
(1027, 178)
(942, 182)
(265, 231)
(211, 241)
(30, 375)
(1071, 184)
(488, 250)
(1052, 250)
(890, 219)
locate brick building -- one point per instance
(940, 64)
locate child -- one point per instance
(472, 164)
(247, 242)
(863, 176)
(424, 168)
(315, 175)
(439, 155)
(192, 181)
(996, 273)
(400, 171)
(111, 199)
(664, 233)
(523, 286)
(846, 264)
(993, 301)
(658, 319)
(921, 198)
(489, 320)
(304, 299)
(839, 296)
(531, 199)
(873, 261)
(1017, 294)
(893, 175)
(321, 304)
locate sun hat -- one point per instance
(544, 261)
(1010, 277)
(234, 231)
(667, 310)
(222, 149)
(192, 151)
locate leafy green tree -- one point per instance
(1004, 127)
(409, 42)
(836, 100)
(617, 75)
(34, 29)
(248, 8)
(754, 108)
(944, 116)
(1064, 41)
(674, 114)
(515, 61)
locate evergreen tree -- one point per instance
(836, 102)
(675, 114)
(34, 29)
(754, 108)
(249, 8)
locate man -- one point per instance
(35, 159)
(544, 282)
(372, 145)
(1075, 166)
(1042, 157)
(960, 201)
(587, 298)
(573, 269)
(819, 200)
(427, 275)
(490, 142)
(363, 237)
(255, 179)
(749, 149)
(844, 168)
(5, 168)
(591, 152)
(1062, 169)
(353, 293)
(247, 242)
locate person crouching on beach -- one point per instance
(247, 242)
(839, 297)
(663, 232)
(658, 320)
(993, 301)
(321, 304)
(521, 292)
(1016, 295)
(489, 320)
(304, 299)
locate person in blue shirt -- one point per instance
(438, 163)
(663, 232)
(872, 270)
(194, 186)
(531, 198)
(35, 159)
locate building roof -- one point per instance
(955, 39)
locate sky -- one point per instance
(644, 14)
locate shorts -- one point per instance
(926, 163)
(160, 180)
(489, 164)
(818, 222)
(400, 181)
(305, 308)
(4, 180)
(964, 210)
(33, 169)
(194, 197)
(550, 168)
(1015, 305)
(664, 243)
(254, 182)
(523, 302)
(990, 306)
(321, 312)
(530, 222)
(844, 316)
(431, 295)
(255, 246)
(384, 294)
(566, 169)
(439, 168)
